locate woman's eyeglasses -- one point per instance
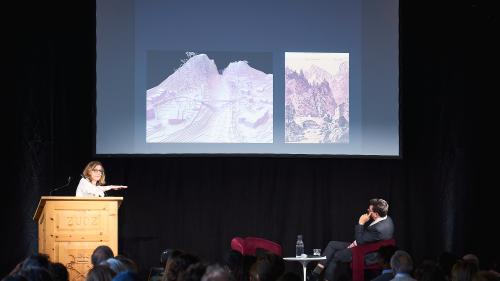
(97, 170)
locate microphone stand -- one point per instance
(59, 188)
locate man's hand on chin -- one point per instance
(364, 218)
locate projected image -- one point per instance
(316, 97)
(201, 103)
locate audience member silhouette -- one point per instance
(36, 273)
(485, 276)
(402, 265)
(129, 264)
(267, 267)
(101, 254)
(463, 270)
(194, 272)
(494, 266)
(166, 254)
(36, 260)
(233, 263)
(446, 261)
(384, 260)
(59, 272)
(177, 265)
(100, 273)
(429, 270)
(290, 276)
(115, 265)
(14, 277)
(126, 276)
(472, 258)
(216, 272)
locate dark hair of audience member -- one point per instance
(36, 273)
(170, 255)
(384, 255)
(267, 267)
(248, 261)
(100, 273)
(194, 272)
(401, 262)
(129, 264)
(429, 271)
(16, 269)
(233, 262)
(484, 275)
(36, 260)
(446, 261)
(290, 276)
(126, 276)
(463, 270)
(493, 264)
(379, 206)
(178, 264)
(59, 272)
(101, 254)
(472, 258)
(15, 277)
(216, 272)
(116, 265)
(167, 254)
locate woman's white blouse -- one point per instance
(87, 189)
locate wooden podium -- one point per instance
(70, 228)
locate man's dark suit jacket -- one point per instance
(382, 230)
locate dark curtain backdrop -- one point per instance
(438, 191)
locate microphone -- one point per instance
(61, 187)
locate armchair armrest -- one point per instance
(247, 246)
(252, 243)
(358, 256)
(238, 244)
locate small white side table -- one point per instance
(304, 261)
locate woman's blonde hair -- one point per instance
(88, 169)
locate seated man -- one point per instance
(380, 228)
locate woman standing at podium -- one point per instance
(93, 181)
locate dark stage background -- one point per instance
(438, 192)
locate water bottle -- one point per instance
(299, 247)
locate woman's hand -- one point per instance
(117, 187)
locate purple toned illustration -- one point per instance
(316, 97)
(197, 104)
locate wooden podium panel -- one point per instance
(70, 228)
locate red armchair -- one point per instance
(358, 258)
(247, 246)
